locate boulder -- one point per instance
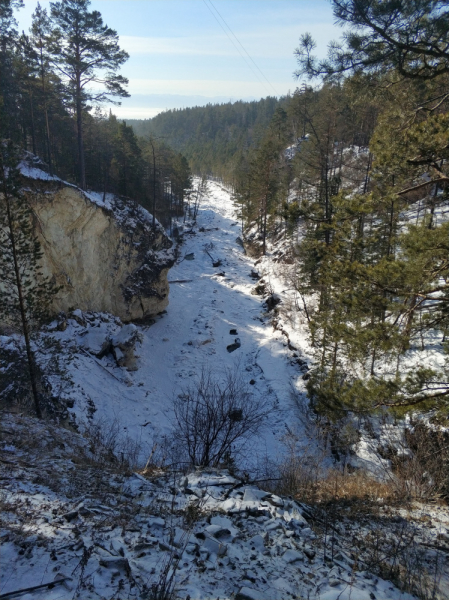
(123, 346)
(272, 301)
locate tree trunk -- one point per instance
(79, 123)
(23, 316)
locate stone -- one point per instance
(96, 341)
(254, 495)
(116, 562)
(247, 593)
(214, 547)
(272, 301)
(292, 556)
(124, 345)
(257, 542)
(218, 531)
(234, 346)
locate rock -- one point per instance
(309, 553)
(273, 526)
(217, 263)
(104, 256)
(70, 516)
(272, 301)
(259, 290)
(247, 593)
(190, 256)
(252, 382)
(234, 346)
(97, 342)
(218, 531)
(114, 562)
(214, 547)
(223, 521)
(292, 556)
(156, 522)
(233, 332)
(123, 346)
(166, 547)
(254, 495)
(257, 542)
(275, 501)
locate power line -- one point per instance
(237, 48)
(243, 48)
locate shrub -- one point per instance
(214, 419)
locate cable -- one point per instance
(243, 48)
(236, 47)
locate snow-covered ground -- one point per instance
(96, 532)
(112, 533)
(206, 303)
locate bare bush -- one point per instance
(108, 446)
(416, 460)
(214, 419)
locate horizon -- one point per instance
(180, 56)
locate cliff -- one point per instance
(102, 251)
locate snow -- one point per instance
(204, 307)
(112, 533)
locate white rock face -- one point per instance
(104, 254)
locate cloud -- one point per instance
(275, 42)
(204, 87)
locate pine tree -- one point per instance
(25, 293)
(410, 37)
(40, 38)
(87, 54)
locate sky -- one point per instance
(182, 54)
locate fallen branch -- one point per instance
(181, 281)
(49, 585)
(100, 365)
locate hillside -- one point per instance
(215, 531)
(212, 137)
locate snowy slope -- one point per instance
(95, 532)
(112, 533)
(206, 303)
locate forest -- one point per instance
(353, 171)
(213, 138)
(224, 331)
(47, 107)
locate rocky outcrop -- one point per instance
(102, 251)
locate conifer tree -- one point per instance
(40, 38)
(410, 37)
(25, 293)
(87, 55)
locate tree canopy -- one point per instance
(409, 36)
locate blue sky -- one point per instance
(180, 56)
